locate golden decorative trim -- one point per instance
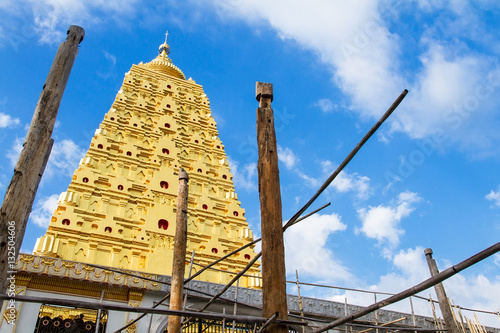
(59, 268)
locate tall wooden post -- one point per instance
(444, 303)
(21, 191)
(273, 251)
(179, 260)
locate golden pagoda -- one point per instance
(119, 209)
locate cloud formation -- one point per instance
(244, 177)
(44, 208)
(325, 105)
(307, 252)
(382, 222)
(64, 158)
(494, 197)
(287, 156)
(48, 20)
(451, 88)
(7, 120)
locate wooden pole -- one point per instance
(178, 262)
(21, 191)
(235, 305)
(444, 303)
(273, 250)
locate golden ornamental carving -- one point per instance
(132, 328)
(27, 258)
(68, 264)
(88, 268)
(48, 262)
(10, 315)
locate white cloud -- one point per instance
(13, 153)
(287, 156)
(383, 222)
(110, 57)
(44, 208)
(496, 258)
(346, 182)
(365, 58)
(109, 72)
(244, 177)
(64, 159)
(51, 18)
(306, 249)
(7, 120)
(325, 105)
(494, 197)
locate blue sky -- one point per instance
(428, 178)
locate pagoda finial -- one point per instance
(164, 47)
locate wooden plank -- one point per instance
(178, 261)
(21, 191)
(273, 248)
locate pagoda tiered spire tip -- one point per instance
(164, 47)
(163, 63)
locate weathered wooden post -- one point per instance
(444, 303)
(179, 260)
(273, 251)
(21, 191)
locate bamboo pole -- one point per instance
(235, 305)
(191, 262)
(98, 321)
(482, 329)
(179, 258)
(412, 312)
(383, 325)
(444, 303)
(455, 316)
(345, 312)
(273, 246)
(437, 323)
(462, 320)
(30, 165)
(417, 288)
(301, 307)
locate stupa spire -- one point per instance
(120, 207)
(164, 48)
(163, 64)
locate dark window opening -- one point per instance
(163, 224)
